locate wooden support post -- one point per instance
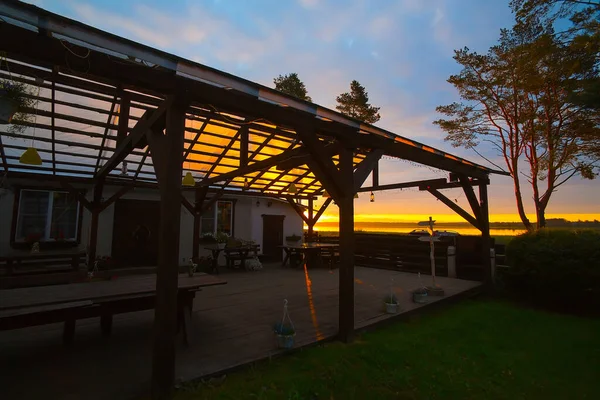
(123, 126)
(375, 175)
(200, 195)
(311, 219)
(167, 151)
(346, 277)
(95, 210)
(486, 242)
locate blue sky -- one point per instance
(401, 51)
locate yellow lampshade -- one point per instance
(356, 195)
(188, 180)
(292, 188)
(31, 157)
(372, 197)
(326, 195)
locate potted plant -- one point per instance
(192, 268)
(284, 334)
(221, 238)
(391, 303)
(14, 98)
(208, 238)
(419, 295)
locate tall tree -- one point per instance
(292, 85)
(579, 22)
(356, 104)
(515, 98)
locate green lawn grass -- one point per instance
(477, 349)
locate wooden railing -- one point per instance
(406, 253)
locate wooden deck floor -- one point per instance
(232, 325)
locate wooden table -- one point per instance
(241, 253)
(215, 250)
(310, 252)
(15, 258)
(25, 307)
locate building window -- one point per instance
(46, 215)
(218, 218)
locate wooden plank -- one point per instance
(254, 167)
(470, 194)
(298, 210)
(124, 108)
(346, 275)
(97, 291)
(167, 159)
(454, 207)
(141, 128)
(365, 167)
(320, 164)
(420, 184)
(486, 242)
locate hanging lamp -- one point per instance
(326, 195)
(292, 188)
(30, 157)
(356, 195)
(246, 185)
(372, 197)
(188, 179)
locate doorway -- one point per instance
(272, 237)
(135, 233)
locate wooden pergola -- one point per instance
(114, 112)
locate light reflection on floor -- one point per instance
(311, 305)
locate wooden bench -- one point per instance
(23, 262)
(240, 253)
(69, 303)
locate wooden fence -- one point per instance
(407, 253)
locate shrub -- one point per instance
(556, 267)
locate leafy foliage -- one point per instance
(292, 85)
(516, 98)
(355, 104)
(21, 95)
(559, 267)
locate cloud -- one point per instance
(309, 3)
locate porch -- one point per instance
(232, 326)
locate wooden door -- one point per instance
(272, 237)
(135, 233)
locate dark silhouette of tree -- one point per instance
(516, 98)
(582, 31)
(356, 104)
(292, 85)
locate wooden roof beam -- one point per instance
(157, 117)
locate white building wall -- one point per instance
(248, 221)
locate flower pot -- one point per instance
(419, 297)
(221, 245)
(8, 108)
(285, 341)
(190, 273)
(391, 308)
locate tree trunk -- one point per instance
(541, 216)
(519, 198)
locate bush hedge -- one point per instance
(556, 267)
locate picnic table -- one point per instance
(310, 252)
(20, 308)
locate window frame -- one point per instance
(216, 210)
(47, 243)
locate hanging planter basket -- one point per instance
(285, 341)
(8, 108)
(285, 331)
